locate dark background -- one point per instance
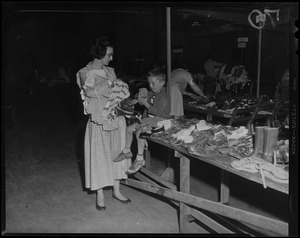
(39, 37)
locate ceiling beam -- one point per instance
(241, 18)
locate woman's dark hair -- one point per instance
(98, 50)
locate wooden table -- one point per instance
(189, 205)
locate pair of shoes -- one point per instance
(123, 201)
(137, 164)
(100, 208)
(123, 156)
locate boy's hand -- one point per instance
(142, 100)
(143, 92)
(133, 102)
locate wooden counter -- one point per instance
(190, 206)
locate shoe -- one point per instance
(123, 156)
(137, 164)
(159, 129)
(123, 201)
(100, 208)
(145, 135)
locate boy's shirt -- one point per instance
(159, 103)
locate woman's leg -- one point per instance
(117, 191)
(100, 197)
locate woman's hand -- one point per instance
(205, 98)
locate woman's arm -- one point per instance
(82, 77)
(88, 91)
(196, 88)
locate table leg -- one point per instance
(168, 174)
(147, 159)
(184, 210)
(224, 189)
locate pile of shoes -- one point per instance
(241, 149)
(265, 156)
(255, 164)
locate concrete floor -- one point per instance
(44, 192)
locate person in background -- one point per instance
(157, 104)
(180, 78)
(105, 129)
(282, 88)
(210, 66)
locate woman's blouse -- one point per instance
(180, 78)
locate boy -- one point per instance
(157, 103)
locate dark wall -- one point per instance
(46, 40)
(135, 36)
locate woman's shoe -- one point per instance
(100, 208)
(123, 201)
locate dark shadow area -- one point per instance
(259, 197)
(80, 153)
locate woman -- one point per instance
(179, 79)
(105, 130)
(210, 66)
(282, 88)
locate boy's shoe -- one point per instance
(158, 129)
(123, 156)
(137, 164)
(145, 135)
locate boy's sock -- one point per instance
(140, 157)
(126, 150)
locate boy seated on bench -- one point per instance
(157, 103)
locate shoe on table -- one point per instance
(123, 156)
(145, 135)
(157, 129)
(136, 166)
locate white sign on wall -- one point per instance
(242, 39)
(242, 45)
